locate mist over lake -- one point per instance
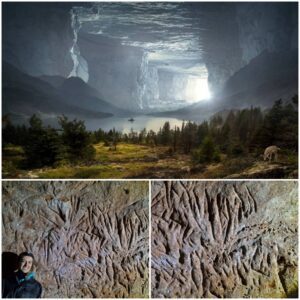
(125, 126)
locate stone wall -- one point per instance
(90, 239)
(224, 239)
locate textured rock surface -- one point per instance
(90, 239)
(113, 69)
(266, 26)
(224, 239)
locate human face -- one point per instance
(26, 264)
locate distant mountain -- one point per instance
(24, 95)
(267, 78)
(55, 81)
(76, 92)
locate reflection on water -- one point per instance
(125, 126)
(121, 124)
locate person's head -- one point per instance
(25, 262)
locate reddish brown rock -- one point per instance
(224, 239)
(90, 239)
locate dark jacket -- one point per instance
(21, 286)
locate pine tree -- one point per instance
(43, 145)
(76, 139)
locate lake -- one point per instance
(125, 126)
(119, 123)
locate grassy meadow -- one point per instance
(142, 161)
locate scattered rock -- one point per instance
(186, 169)
(31, 175)
(263, 170)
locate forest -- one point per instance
(233, 141)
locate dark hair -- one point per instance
(23, 254)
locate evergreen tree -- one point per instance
(166, 137)
(76, 139)
(42, 147)
(176, 136)
(189, 136)
(142, 136)
(207, 152)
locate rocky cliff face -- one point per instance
(90, 239)
(37, 38)
(223, 239)
(222, 50)
(114, 69)
(266, 26)
(237, 33)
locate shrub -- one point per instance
(207, 152)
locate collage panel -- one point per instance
(214, 239)
(85, 239)
(150, 90)
(196, 101)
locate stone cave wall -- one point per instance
(238, 32)
(114, 69)
(37, 37)
(266, 26)
(90, 239)
(224, 239)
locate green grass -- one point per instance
(125, 152)
(12, 161)
(128, 161)
(134, 161)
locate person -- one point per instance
(22, 283)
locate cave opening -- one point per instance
(197, 89)
(154, 56)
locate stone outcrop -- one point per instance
(224, 239)
(90, 239)
(249, 30)
(266, 26)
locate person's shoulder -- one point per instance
(39, 284)
(36, 282)
(35, 286)
(39, 287)
(9, 280)
(9, 284)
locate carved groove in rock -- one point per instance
(223, 239)
(90, 239)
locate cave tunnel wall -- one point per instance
(37, 38)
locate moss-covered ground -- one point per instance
(141, 161)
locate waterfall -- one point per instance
(141, 80)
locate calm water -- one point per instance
(123, 125)
(119, 123)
